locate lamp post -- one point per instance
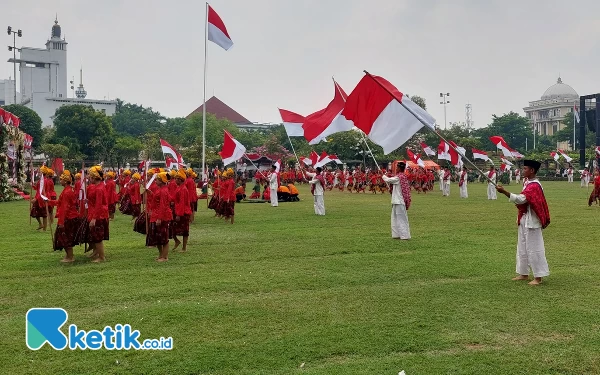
(444, 102)
(14, 48)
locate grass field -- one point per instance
(282, 287)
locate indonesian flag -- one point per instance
(319, 125)
(455, 158)
(277, 165)
(217, 32)
(555, 156)
(167, 149)
(27, 142)
(576, 113)
(506, 162)
(335, 159)
(172, 163)
(323, 159)
(15, 121)
(306, 161)
(232, 149)
(314, 158)
(443, 153)
(481, 155)
(505, 167)
(516, 154)
(500, 143)
(564, 155)
(598, 150)
(292, 122)
(428, 151)
(415, 158)
(386, 115)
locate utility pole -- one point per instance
(14, 48)
(444, 102)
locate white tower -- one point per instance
(80, 93)
(57, 48)
(469, 116)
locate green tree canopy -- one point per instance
(515, 129)
(135, 120)
(31, 123)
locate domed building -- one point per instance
(546, 115)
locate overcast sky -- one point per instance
(496, 55)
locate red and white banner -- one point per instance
(292, 122)
(232, 149)
(167, 149)
(428, 151)
(443, 151)
(500, 143)
(172, 163)
(314, 158)
(306, 161)
(27, 142)
(323, 159)
(385, 114)
(217, 32)
(335, 159)
(555, 156)
(506, 162)
(319, 125)
(481, 155)
(415, 158)
(598, 150)
(277, 165)
(564, 155)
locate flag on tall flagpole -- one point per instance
(428, 151)
(317, 126)
(292, 122)
(232, 149)
(387, 116)
(217, 32)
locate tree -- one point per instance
(53, 150)
(135, 120)
(515, 129)
(31, 123)
(84, 129)
(127, 149)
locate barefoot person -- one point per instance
(400, 203)
(68, 218)
(532, 218)
(97, 229)
(160, 218)
(183, 211)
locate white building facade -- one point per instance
(546, 115)
(44, 81)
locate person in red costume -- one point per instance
(133, 190)
(533, 216)
(38, 208)
(595, 196)
(227, 206)
(191, 186)
(65, 236)
(160, 217)
(110, 187)
(183, 211)
(97, 230)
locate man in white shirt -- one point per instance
(532, 218)
(570, 175)
(518, 176)
(462, 183)
(585, 178)
(317, 183)
(492, 175)
(441, 176)
(400, 203)
(273, 186)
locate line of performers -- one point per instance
(85, 207)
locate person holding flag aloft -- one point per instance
(273, 186)
(400, 203)
(533, 216)
(492, 177)
(317, 189)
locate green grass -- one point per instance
(283, 287)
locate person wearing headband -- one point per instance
(227, 196)
(183, 211)
(111, 194)
(133, 190)
(97, 230)
(50, 193)
(317, 188)
(67, 214)
(38, 207)
(533, 216)
(401, 200)
(190, 185)
(160, 218)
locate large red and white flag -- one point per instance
(386, 115)
(292, 122)
(335, 159)
(167, 149)
(171, 163)
(564, 155)
(14, 120)
(481, 155)
(27, 142)
(455, 158)
(314, 158)
(217, 32)
(277, 165)
(428, 151)
(306, 161)
(323, 159)
(443, 149)
(415, 158)
(500, 143)
(505, 161)
(317, 126)
(516, 154)
(232, 149)
(555, 156)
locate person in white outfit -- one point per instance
(570, 175)
(585, 178)
(317, 183)
(462, 183)
(441, 175)
(533, 216)
(510, 175)
(492, 175)
(518, 176)
(400, 203)
(273, 186)
(446, 182)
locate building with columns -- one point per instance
(547, 114)
(44, 81)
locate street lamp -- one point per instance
(14, 48)
(444, 102)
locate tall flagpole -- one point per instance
(204, 105)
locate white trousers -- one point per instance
(585, 181)
(531, 252)
(463, 191)
(400, 227)
(441, 184)
(319, 205)
(446, 189)
(570, 178)
(492, 192)
(517, 179)
(274, 201)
